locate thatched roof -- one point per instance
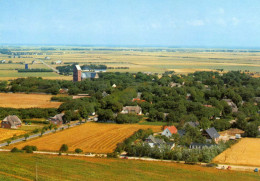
(13, 120)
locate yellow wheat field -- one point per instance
(9, 133)
(90, 137)
(245, 152)
(17, 100)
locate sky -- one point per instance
(170, 23)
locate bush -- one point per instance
(29, 149)
(112, 155)
(64, 148)
(16, 150)
(78, 150)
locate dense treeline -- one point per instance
(205, 154)
(34, 70)
(28, 113)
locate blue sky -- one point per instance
(177, 23)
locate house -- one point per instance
(132, 109)
(152, 142)
(211, 134)
(231, 104)
(2, 61)
(199, 145)
(104, 94)
(63, 91)
(12, 122)
(173, 84)
(47, 58)
(192, 124)
(57, 119)
(58, 62)
(169, 131)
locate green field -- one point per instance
(17, 166)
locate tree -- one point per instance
(204, 123)
(67, 116)
(26, 136)
(251, 130)
(64, 148)
(83, 113)
(105, 115)
(8, 142)
(42, 131)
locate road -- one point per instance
(54, 69)
(38, 134)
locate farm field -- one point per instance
(90, 137)
(245, 152)
(181, 61)
(18, 166)
(9, 133)
(18, 100)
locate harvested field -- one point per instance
(17, 100)
(90, 137)
(245, 152)
(9, 133)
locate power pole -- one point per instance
(36, 173)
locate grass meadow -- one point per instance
(21, 166)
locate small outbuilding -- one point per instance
(12, 122)
(132, 109)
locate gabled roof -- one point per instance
(58, 117)
(192, 124)
(212, 132)
(172, 129)
(155, 140)
(13, 120)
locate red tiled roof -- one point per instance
(138, 100)
(172, 129)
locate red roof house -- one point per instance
(169, 131)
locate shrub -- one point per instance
(112, 155)
(29, 149)
(15, 150)
(78, 150)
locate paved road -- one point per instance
(38, 134)
(54, 69)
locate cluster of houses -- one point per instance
(211, 135)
